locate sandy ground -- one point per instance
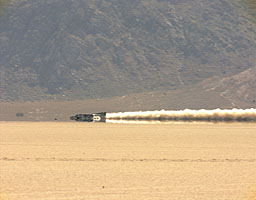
(81, 161)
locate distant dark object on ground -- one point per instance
(19, 114)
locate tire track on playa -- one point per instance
(130, 160)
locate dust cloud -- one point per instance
(187, 115)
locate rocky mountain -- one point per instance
(82, 49)
(236, 89)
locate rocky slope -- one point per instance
(238, 88)
(68, 50)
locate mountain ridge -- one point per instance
(68, 50)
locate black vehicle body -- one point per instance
(94, 117)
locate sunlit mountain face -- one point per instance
(251, 4)
(250, 7)
(3, 4)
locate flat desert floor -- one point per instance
(83, 161)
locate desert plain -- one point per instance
(83, 161)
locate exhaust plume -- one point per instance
(187, 115)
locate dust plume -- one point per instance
(187, 115)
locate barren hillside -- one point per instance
(85, 49)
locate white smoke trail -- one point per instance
(143, 122)
(187, 115)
